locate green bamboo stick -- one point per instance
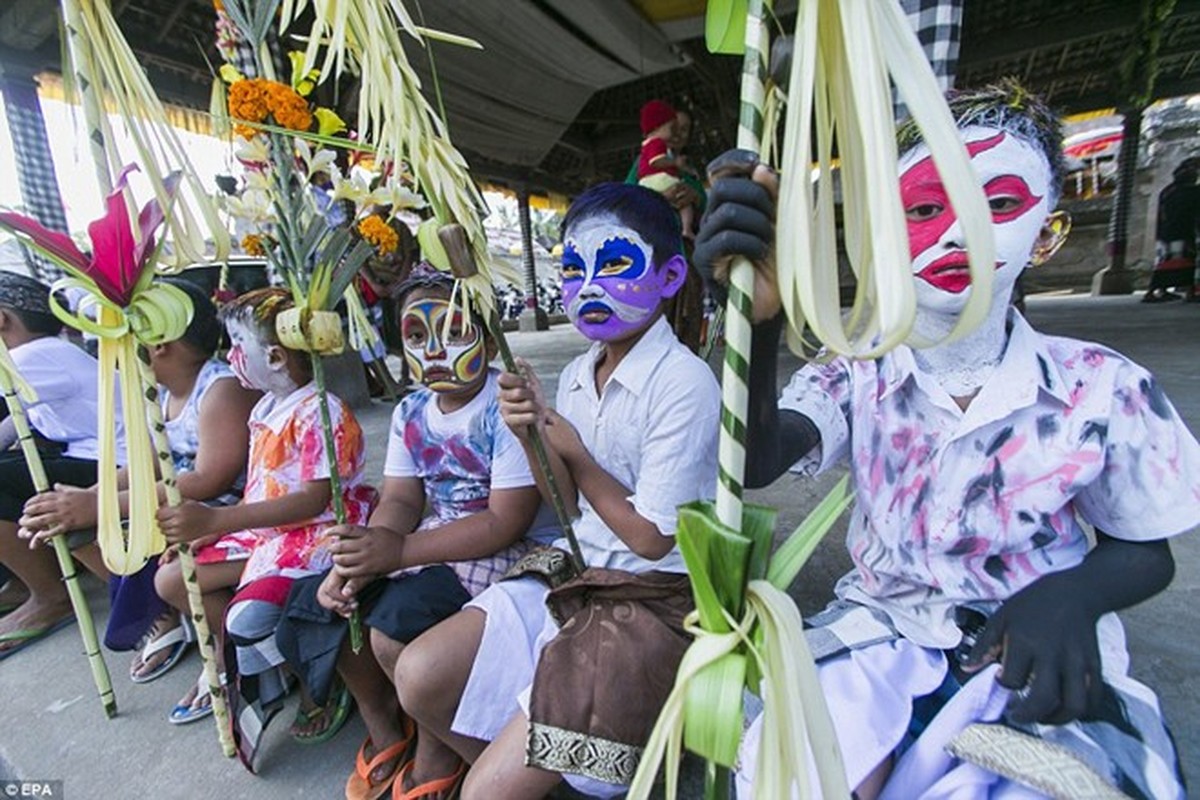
(37, 472)
(88, 83)
(187, 563)
(735, 392)
(335, 480)
(539, 450)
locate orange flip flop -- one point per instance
(447, 785)
(359, 786)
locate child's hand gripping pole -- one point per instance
(187, 563)
(9, 380)
(318, 332)
(462, 265)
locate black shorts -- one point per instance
(310, 636)
(16, 486)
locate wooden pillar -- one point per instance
(1116, 278)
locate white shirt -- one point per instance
(955, 506)
(65, 378)
(477, 427)
(654, 428)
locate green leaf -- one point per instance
(716, 557)
(346, 271)
(712, 710)
(725, 27)
(796, 549)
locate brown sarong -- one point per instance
(601, 682)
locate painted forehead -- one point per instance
(588, 236)
(993, 152)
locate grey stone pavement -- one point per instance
(52, 726)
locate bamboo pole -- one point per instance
(187, 562)
(37, 472)
(88, 86)
(462, 265)
(735, 392)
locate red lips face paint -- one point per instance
(1015, 178)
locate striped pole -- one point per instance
(37, 472)
(735, 393)
(87, 81)
(204, 637)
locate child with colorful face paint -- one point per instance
(975, 594)
(280, 530)
(529, 675)
(459, 507)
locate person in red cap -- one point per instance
(657, 166)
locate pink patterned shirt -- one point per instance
(955, 507)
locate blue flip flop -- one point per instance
(183, 713)
(27, 636)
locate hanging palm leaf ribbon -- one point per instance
(100, 68)
(18, 394)
(404, 128)
(115, 285)
(846, 51)
(748, 631)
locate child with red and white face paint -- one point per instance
(281, 529)
(975, 595)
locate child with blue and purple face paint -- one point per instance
(550, 674)
(977, 594)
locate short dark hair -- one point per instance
(203, 333)
(637, 208)
(29, 300)
(35, 323)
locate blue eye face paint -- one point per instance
(610, 286)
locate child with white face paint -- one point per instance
(975, 595)
(459, 507)
(280, 530)
(633, 435)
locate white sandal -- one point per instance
(177, 641)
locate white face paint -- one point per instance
(251, 361)
(1016, 180)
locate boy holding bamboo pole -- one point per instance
(976, 596)
(516, 674)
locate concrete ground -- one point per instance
(52, 727)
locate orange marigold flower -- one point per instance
(248, 101)
(379, 234)
(289, 109)
(254, 245)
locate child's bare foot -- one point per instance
(32, 620)
(12, 595)
(196, 704)
(436, 784)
